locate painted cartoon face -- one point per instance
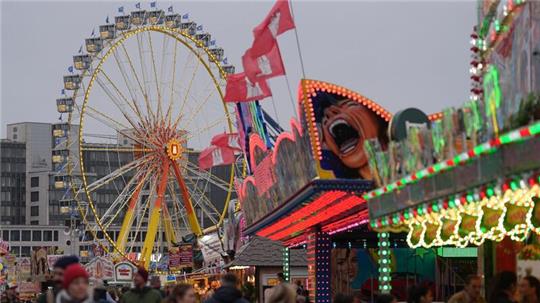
(345, 127)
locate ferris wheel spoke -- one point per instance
(187, 93)
(116, 101)
(200, 106)
(179, 208)
(112, 123)
(133, 187)
(204, 203)
(118, 149)
(169, 107)
(188, 205)
(143, 91)
(153, 220)
(115, 174)
(151, 115)
(206, 175)
(208, 127)
(133, 106)
(124, 197)
(127, 82)
(158, 112)
(142, 214)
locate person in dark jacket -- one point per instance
(504, 288)
(155, 283)
(59, 267)
(141, 293)
(228, 292)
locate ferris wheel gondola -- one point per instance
(146, 98)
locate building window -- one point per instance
(15, 235)
(34, 181)
(14, 136)
(15, 129)
(15, 250)
(5, 235)
(36, 235)
(34, 211)
(34, 222)
(55, 235)
(25, 251)
(34, 196)
(26, 235)
(47, 235)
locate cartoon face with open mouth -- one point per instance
(346, 124)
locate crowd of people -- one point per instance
(71, 284)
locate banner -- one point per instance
(181, 257)
(24, 266)
(29, 287)
(100, 268)
(4, 247)
(123, 272)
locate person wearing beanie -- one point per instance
(75, 284)
(141, 293)
(58, 277)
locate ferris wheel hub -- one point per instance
(174, 149)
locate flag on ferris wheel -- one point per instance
(240, 89)
(121, 9)
(153, 4)
(278, 21)
(70, 69)
(265, 66)
(228, 140)
(138, 5)
(107, 20)
(216, 156)
(212, 42)
(80, 49)
(185, 16)
(170, 9)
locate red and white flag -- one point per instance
(240, 89)
(264, 66)
(227, 140)
(216, 156)
(278, 21)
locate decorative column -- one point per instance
(385, 277)
(286, 263)
(318, 255)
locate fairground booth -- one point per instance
(307, 191)
(470, 178)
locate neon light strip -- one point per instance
(316, 205)
(482, 149)
(341, 207)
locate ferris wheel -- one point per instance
(141, 103)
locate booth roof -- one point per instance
(261, 251)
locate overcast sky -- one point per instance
(400, 54)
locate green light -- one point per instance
(490, 192)
(469, 198)
(420, 210)
(435, 207)
(406, 214)
(514, 185)
(451, 204)
(535, 128)
(384, 252)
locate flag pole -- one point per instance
(297, 44)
